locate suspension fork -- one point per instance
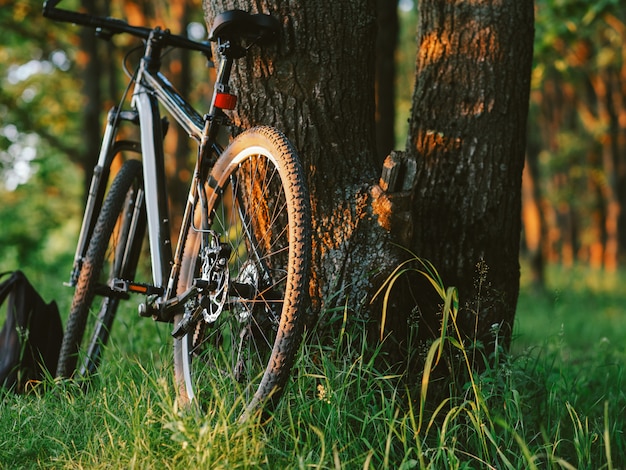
(109, 149)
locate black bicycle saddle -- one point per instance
(237, 25)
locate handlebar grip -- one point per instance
(67, 16)
(110, 24)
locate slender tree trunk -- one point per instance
(468, 136)
(386, 43)
(610, 161)
(597, 243)
(92, 74)
(533, 220)
(618, 102)
(177, 144)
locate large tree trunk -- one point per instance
(317, 86)
(468, 135)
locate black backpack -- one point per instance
(31, 337)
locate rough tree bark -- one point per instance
(468, 134)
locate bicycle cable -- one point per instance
(131, 76)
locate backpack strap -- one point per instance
(7, 285)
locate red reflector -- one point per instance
(225, 101)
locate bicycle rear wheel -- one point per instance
(251, 331)
(113, 253)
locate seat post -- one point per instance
(216, 116)
(228, 52)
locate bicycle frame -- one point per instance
(244, 273)
(151, 89)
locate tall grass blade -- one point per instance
(607, 437)
(429, 365)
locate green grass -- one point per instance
(580, 308)
(559, 401)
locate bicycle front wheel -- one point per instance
(113, 253)
(250, 333)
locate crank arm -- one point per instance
(189, 320)
(165, 311)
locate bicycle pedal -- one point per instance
(120, 285)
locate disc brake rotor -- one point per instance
(249, 275)
(215, 270)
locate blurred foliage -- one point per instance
(40, 89)
(576, 123)
(40, 187)
(405, 74)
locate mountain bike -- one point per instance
(235, 286)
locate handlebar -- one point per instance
(116, 26)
